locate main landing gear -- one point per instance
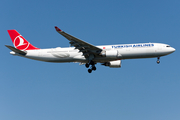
(93, 67)
(158, 60)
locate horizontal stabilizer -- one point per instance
(16, 50)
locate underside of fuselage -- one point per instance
(82, 59)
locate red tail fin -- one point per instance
(19, 41)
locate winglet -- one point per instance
(57, 29)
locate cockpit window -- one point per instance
(168, 46)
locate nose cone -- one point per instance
(173, 49)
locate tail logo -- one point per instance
(21, 43)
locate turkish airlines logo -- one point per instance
(20, 43)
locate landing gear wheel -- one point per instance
(94, 68)
(92, 64)
(87, 65)
(158, 62)
(89, 70)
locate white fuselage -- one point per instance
(124, 51)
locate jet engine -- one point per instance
(110, 53)
(113, 64)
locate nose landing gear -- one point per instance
(158, 60)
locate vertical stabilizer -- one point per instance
(19, 41)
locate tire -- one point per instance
(89, 70)
(87, 65)
(94, 68)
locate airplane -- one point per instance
(86, 53)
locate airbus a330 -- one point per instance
(85, 53)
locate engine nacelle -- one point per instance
(110, 53)
(113, 64)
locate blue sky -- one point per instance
(140, 90)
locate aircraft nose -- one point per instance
(173, 49)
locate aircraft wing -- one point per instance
(81, 45)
